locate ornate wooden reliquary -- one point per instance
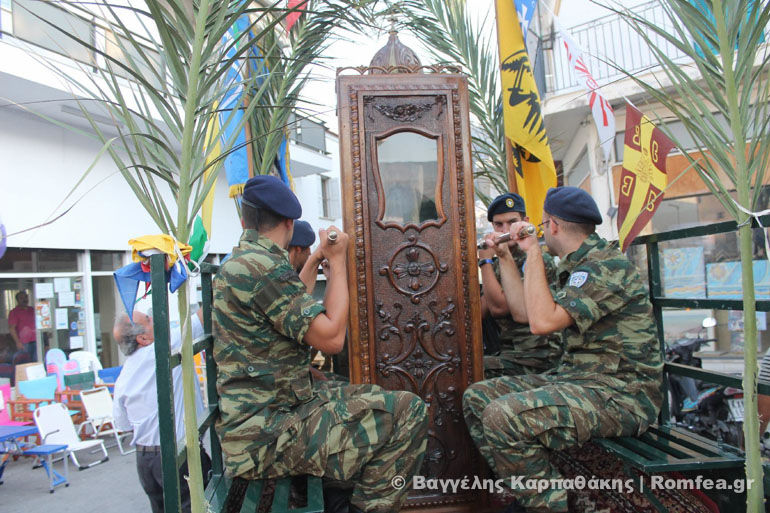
(408, 199)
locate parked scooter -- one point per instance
(715, 412)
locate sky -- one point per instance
(361, 51)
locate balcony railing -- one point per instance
(307, 132)
(610, 45)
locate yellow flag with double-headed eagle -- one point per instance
(643, 178)
(524, 125)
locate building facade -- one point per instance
(69, 246)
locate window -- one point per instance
(106, 260)
(6, 18)
(307, 132)
(119, 48)
(330, 198)
(27, 25)
(39, 260)
(579, 171)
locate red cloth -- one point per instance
(292, 18)
(24, 320)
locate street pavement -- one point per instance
(112, 486)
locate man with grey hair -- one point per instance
(136, 402)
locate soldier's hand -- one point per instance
(501, 250)
(527, 242)
(325, 267)
(489, 252)
(336, 250)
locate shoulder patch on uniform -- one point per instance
(288, 275)
(578, 279)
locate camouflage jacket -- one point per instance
(517, 343)
(612, 342)
(261, 313)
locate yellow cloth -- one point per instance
(163, 243)
(643, 177)
(524, 124)
(207, 209)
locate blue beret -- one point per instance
(572, 204)
(304, 236)
(508, 202)
(267, 191)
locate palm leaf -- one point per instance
(450, 35)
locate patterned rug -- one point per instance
(590, 461)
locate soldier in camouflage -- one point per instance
(275, 421)
(610, 376)
(520, 351)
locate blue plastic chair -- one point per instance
(110, 374)
(33, 393)
(44, 388)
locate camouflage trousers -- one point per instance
(505, 364)
(362, 435)
(516, 421)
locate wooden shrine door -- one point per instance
(415, 320)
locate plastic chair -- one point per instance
(73, 385)
(32, 394)
(35, 372)
(98, 406)
(5, 419)
(56, 428)
(87, 360)
(110, 374)
(70, 367)
(80, 381)
(54, 364)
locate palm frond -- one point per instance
(726, 79)
(448, 32)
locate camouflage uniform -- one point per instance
(607, 384)
(274, 420)
(521, 352)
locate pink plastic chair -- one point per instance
(71, 367)
(54, 365)
(5, 396)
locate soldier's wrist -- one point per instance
(484, 261)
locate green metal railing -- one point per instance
(172, 458)
(659, 302)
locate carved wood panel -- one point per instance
(408, 206)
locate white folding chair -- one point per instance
(97, 403)
(55, 425)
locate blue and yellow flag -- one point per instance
(524, 124)
(237, 165)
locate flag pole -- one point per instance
(512, 185)
(510, 168)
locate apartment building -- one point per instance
(66, 266)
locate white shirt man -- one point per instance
(135, 405)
